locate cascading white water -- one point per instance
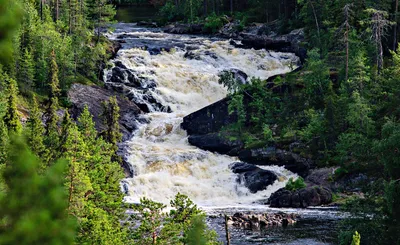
(164, 162)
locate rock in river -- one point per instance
(302, 198)
(253, 177)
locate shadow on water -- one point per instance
(133, 13)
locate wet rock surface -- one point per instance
(135, 86)
(253, 177)
(302, 198)
(260, 221)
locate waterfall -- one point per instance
(173, 76)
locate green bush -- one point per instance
(293, 185)
(169, 12)
(214, 23)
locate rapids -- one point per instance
(185, 70)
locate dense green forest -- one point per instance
(344, 105)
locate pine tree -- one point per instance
(35, 130)
(110, 116)
(35, 215)
(11, 118)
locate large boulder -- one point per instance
(93, 96)
(302, 198)
(210, 119)
(273, 156)
(253, 177)
(216, 143)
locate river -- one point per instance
(178, 74)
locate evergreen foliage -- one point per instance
(110, 117)
(24, 217)
(11, 117)
(35, 130)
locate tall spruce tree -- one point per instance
(26, 72)
(110, 116)
(52, 129)
(35, 130)
(12, 118)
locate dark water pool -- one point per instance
(314, 227)
(133, 13)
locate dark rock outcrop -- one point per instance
(274, 156)
(253, 177)
(284, 43)
(216, 143)
(302, 198)
(180, 28)
(208, 120)
(147, 24)
(135, 86)
(81, 95)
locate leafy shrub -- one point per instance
(214, 23)
(293, 185)
(169, 12)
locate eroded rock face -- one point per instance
(253, 177)
(302, 198)
(93, 96)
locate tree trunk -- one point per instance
(346, 39)
(57, 10)
(231, 7)
(41, 9)
(395, 26)
(316, 21)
